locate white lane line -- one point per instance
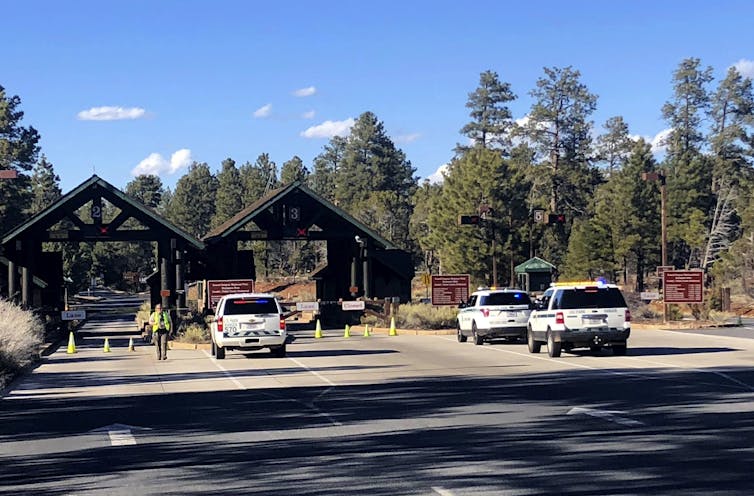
(225, 371)
(121, 438)
(609, 415)
(442, 492)
(714, 372)
(319, 376)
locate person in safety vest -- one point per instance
(161, 325)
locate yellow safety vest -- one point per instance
(156, 320)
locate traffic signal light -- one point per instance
(469, 219)
(556, 219)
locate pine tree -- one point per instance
(491, 118)
(229, 193)
(193, 203)
(375, 181)
(293, 170)
(326, 167)
(689, 173)
(147, 189)
(559, 128)
(19, 149)
(257, 178)
(614, 146)
(45, 186)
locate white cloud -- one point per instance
(407, 138)
(111, 114)
(309, 115)
(263, 111)
(745, 67)
(155, 164)
(328, 129)
(660, 141)
(438, 177)
(308, 91)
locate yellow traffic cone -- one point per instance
(347, 332)
(393, 331)
(71, 345)
(131, 344)
(366, 330)
(318, 331)
(106, 349)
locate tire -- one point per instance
(619, 349)
(553, 348)
(534, 346)
(460, 336)
(477, 338)
(278, 352)
(596, 348)
(220, 353)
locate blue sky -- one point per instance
(200, 80)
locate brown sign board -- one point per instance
(664, 268)
(218, 288)
(683, 286)
(450, 289)
(165, 292)
(8, 174)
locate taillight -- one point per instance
(486, 312)
(220, 324)
(628, 315)
(559, 319)
(282, 323)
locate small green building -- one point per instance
(534, 275)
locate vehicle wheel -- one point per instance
(477, 338)
(553, 348)
(534, 346)
(619, 349)
(220, 353)
(596, 348)
(278, 352)
(461, 337)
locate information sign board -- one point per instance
(353, 305)
(218, 288)
(307, 306)
(450, 289)
(683, 286)
(73, 315)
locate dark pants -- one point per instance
(161, 342)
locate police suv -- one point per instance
(586, 314)
(493, 313)
(247, 322)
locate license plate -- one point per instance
(251, 327)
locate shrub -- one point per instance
(423, 316)
(195, 334)
(21, 334)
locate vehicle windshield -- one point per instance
(250, 306)
(591, 298)
(505, 299)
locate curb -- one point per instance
(177, 345)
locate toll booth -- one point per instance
(534, 275)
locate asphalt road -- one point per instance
(418, 415)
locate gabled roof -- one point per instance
(534, 264)
(79, 196)
(248, 214)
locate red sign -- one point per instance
(8, 174)
(219, 288)
(683, 286)
(450, 290)
(165, 292)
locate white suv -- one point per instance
(580, 315)
(494, 313)
(247, 322)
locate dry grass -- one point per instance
(21, 334)
(195, 334)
